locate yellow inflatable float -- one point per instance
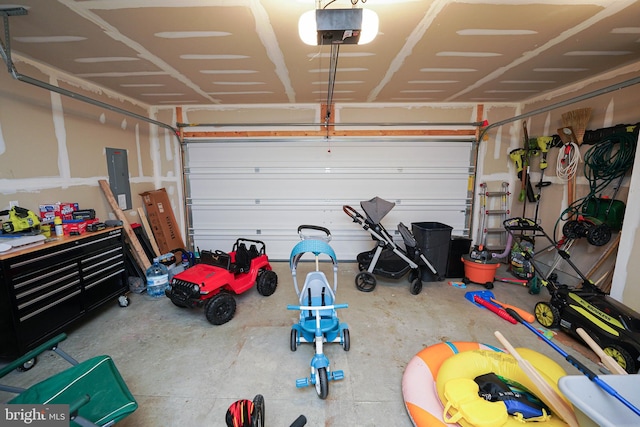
(439, 389)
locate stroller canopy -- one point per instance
(376, 208)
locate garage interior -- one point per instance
(252, 133)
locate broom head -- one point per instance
(577, 119)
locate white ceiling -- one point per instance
(186, 52)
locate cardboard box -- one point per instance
(63, 210)
(163, 223)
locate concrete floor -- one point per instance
(184, 371)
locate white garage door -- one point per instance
(265, 189)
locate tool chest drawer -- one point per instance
(45, 289)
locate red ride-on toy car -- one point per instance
(219, 275)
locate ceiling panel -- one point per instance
(225, 52)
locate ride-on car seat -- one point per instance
(94, 389)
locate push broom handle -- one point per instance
(557, 404)
(606, 360)
(577, 364)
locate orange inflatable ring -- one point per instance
(419, 381)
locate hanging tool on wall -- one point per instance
(520, 157)
(572, 134)
(544, 143)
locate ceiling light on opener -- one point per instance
(338, 26)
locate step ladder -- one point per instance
(494, 210)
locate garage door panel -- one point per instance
(266, 189)
(309, 154)
(358, 186)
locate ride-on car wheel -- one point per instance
(220, 308)
(267, 282)
(346, 339)
(365, 282)
(322, 383)
(416, 286)
(547, 315)
(293, 342)
(622, 357)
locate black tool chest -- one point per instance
(46, 288)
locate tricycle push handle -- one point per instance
(317, 307)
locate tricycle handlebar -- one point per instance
(317, 307)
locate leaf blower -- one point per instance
(20, 219)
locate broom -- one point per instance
(576, 120)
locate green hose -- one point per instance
(604, 162)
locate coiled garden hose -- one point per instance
(604, 162)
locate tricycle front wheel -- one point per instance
(322, 383)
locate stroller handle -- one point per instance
(317, 307)
(351, 212)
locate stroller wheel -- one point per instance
(413, 275)
(346, 339)
(365, 282)
(416, 286)
(322, 383)
(293, 343)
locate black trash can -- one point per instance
(433, 240)
(458, 247)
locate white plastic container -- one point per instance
(595, 407)
(157, 279)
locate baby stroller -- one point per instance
(387, 259)
(319, 322)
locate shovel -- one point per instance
(485, 295)
(483, 299)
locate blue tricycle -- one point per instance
(319, 322)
